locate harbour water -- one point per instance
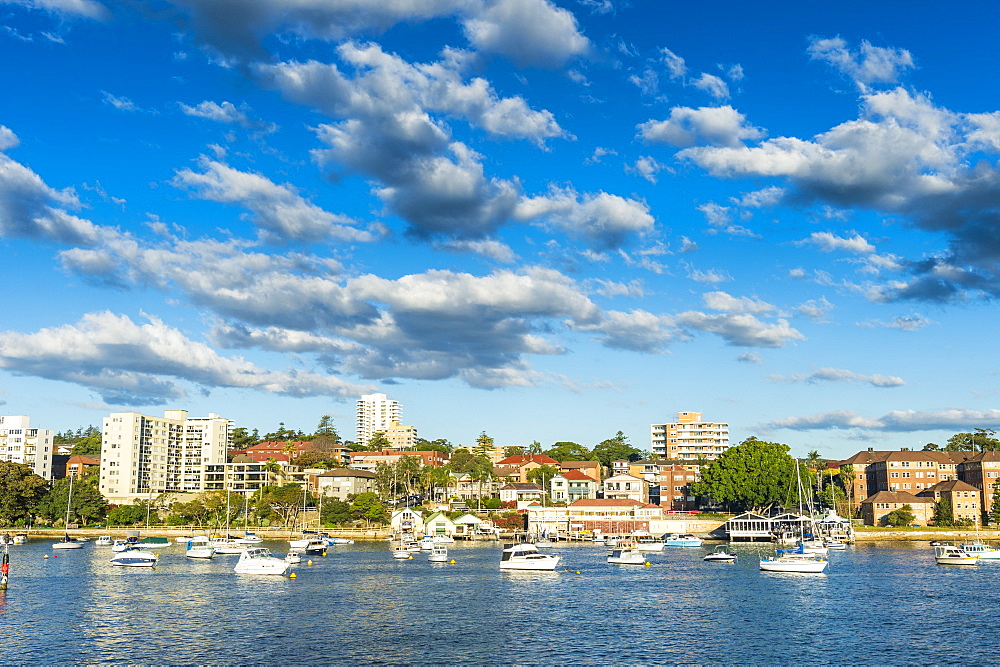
(884, 603)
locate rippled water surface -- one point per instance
(878, 603)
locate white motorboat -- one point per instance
(134, 556)
(249, 538)
(183, 539)
(401, 553)
(315, 547)
(526, 557)
(720, 555)
(793, 561)
(68, 542)
(426, 543)
(122, 545)
(949, 554)
(626, 555)
(227, 546)
(258, 560)
(814, 547)
(683, 540)
(411, 546)
(293, 557)
(104, 541)
(439, 554)
(981, 550)
(643, 541)
(443, 539)
(339, 540)
(20, 538)
(200, 547)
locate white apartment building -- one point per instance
(144, 456)
(20, 443)
(376, 413)
(689, 438)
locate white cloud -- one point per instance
(865, 66)
(901, 421)
(133, 364)
(528, 32)
(731, 304)
(839, 375)
(606, 220)
(901, 322)
(637, 330)
(674, 63)
(828, 242)
(83, 8)
(715, 126)
(712, 85)
(647, 167)
(278, 209)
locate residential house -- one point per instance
(407, 520)
(521, 493)
(964, 498)
(518, 466)
(591, 469)
(982, 470)
(571, 486)
(370, 460)
(626, 486)
(281, 451)
(343, 482)
(874, 508)
(77, 465)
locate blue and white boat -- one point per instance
(682, 540)
(134, 556)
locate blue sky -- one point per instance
(543, 220)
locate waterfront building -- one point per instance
(407, 520)
(689, 438)
(609, 516)
(904, 470)
(571, 486)
(521, 494)
(376, 413)
(369, 460)
(875, 508)
(964, 499)
(20, 443)
(626, 487)
(342, 482)
(591, 469)
(438, 523)
(142, 455)
(241, 475)
(981, 470)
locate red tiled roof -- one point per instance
(521, 459)
(578, 476)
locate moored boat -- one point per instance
(949, 554)
(258, 560)
(626, 555)
(20, 538)
(526, 557)
(720, 555)
(682, 540)
(293, 557)
(981, 550)
(200, 547)
(104, 541)
(439, 554)
(797, 560)
(68, 542)
(134, 556)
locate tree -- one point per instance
(336, 512)
(439, 445)
(752, 475)
(931, 447)
(368, 507)
(615, 449)
(20, 491)
(126, 515)
(326, 428)
(943, 514)
(994, 514)
(86, 503)
(484, 445)
(242, 440)
(515, 450)
(900, 517)
(846, 477)
(314, 458)
(542, 475)
(378, 441)
(88, 446)
(535, 447)
(983, 440)
(407, 471)
(568, 451)
(283, 501)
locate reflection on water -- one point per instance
(357, 604)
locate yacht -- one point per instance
(526, 557)
(134, 556)
(949, 554)
(21, 538)
(315, 547)
(439, 554)
(401, 553)
(104, 541)
(122, 545)
(982, 551)
(720, 555)
(200, 547)
(293, 557)
(643, 541)
(68, 542)
(793, 560)
(626, 555)
(258, 560)
(227, 545)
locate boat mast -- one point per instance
(69, 501)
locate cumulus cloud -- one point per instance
(607, 221)
(646, 167)
(738, 323)
(903, 156)
(714, 126)
(528, 32)
(226, 113)
(866, 65)
(637, 331)
(31, 209)
(913, 322)
(828, 242)
(277, 209)
(136, 364)
(839, 375)
(712, 85)
(88, 9)
(896, 421)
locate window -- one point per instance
(894, 474)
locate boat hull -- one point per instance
(68, 545)
(793, 565)
(134, 558)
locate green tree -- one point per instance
(314, 458)
(931, 447)
(615, 449)
(994, 514)
(20, 491)
(327, 429)
(335, 512)
(943, 514)
(542, 475)
(87, 502)
(515, 450)
(367, 506)
(568, 451)
(88, 446)
(983, 440)
(462, 461)
(378, 442)
(439, 445)
(535, 447)
(126, 515)
(484, 445)
(408, 471)
(753, 475)
(243, 440)
(283, 502)
(900, 517)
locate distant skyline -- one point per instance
(544, 220)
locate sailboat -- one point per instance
(68, 542)
(798, 559)
(227, 545)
